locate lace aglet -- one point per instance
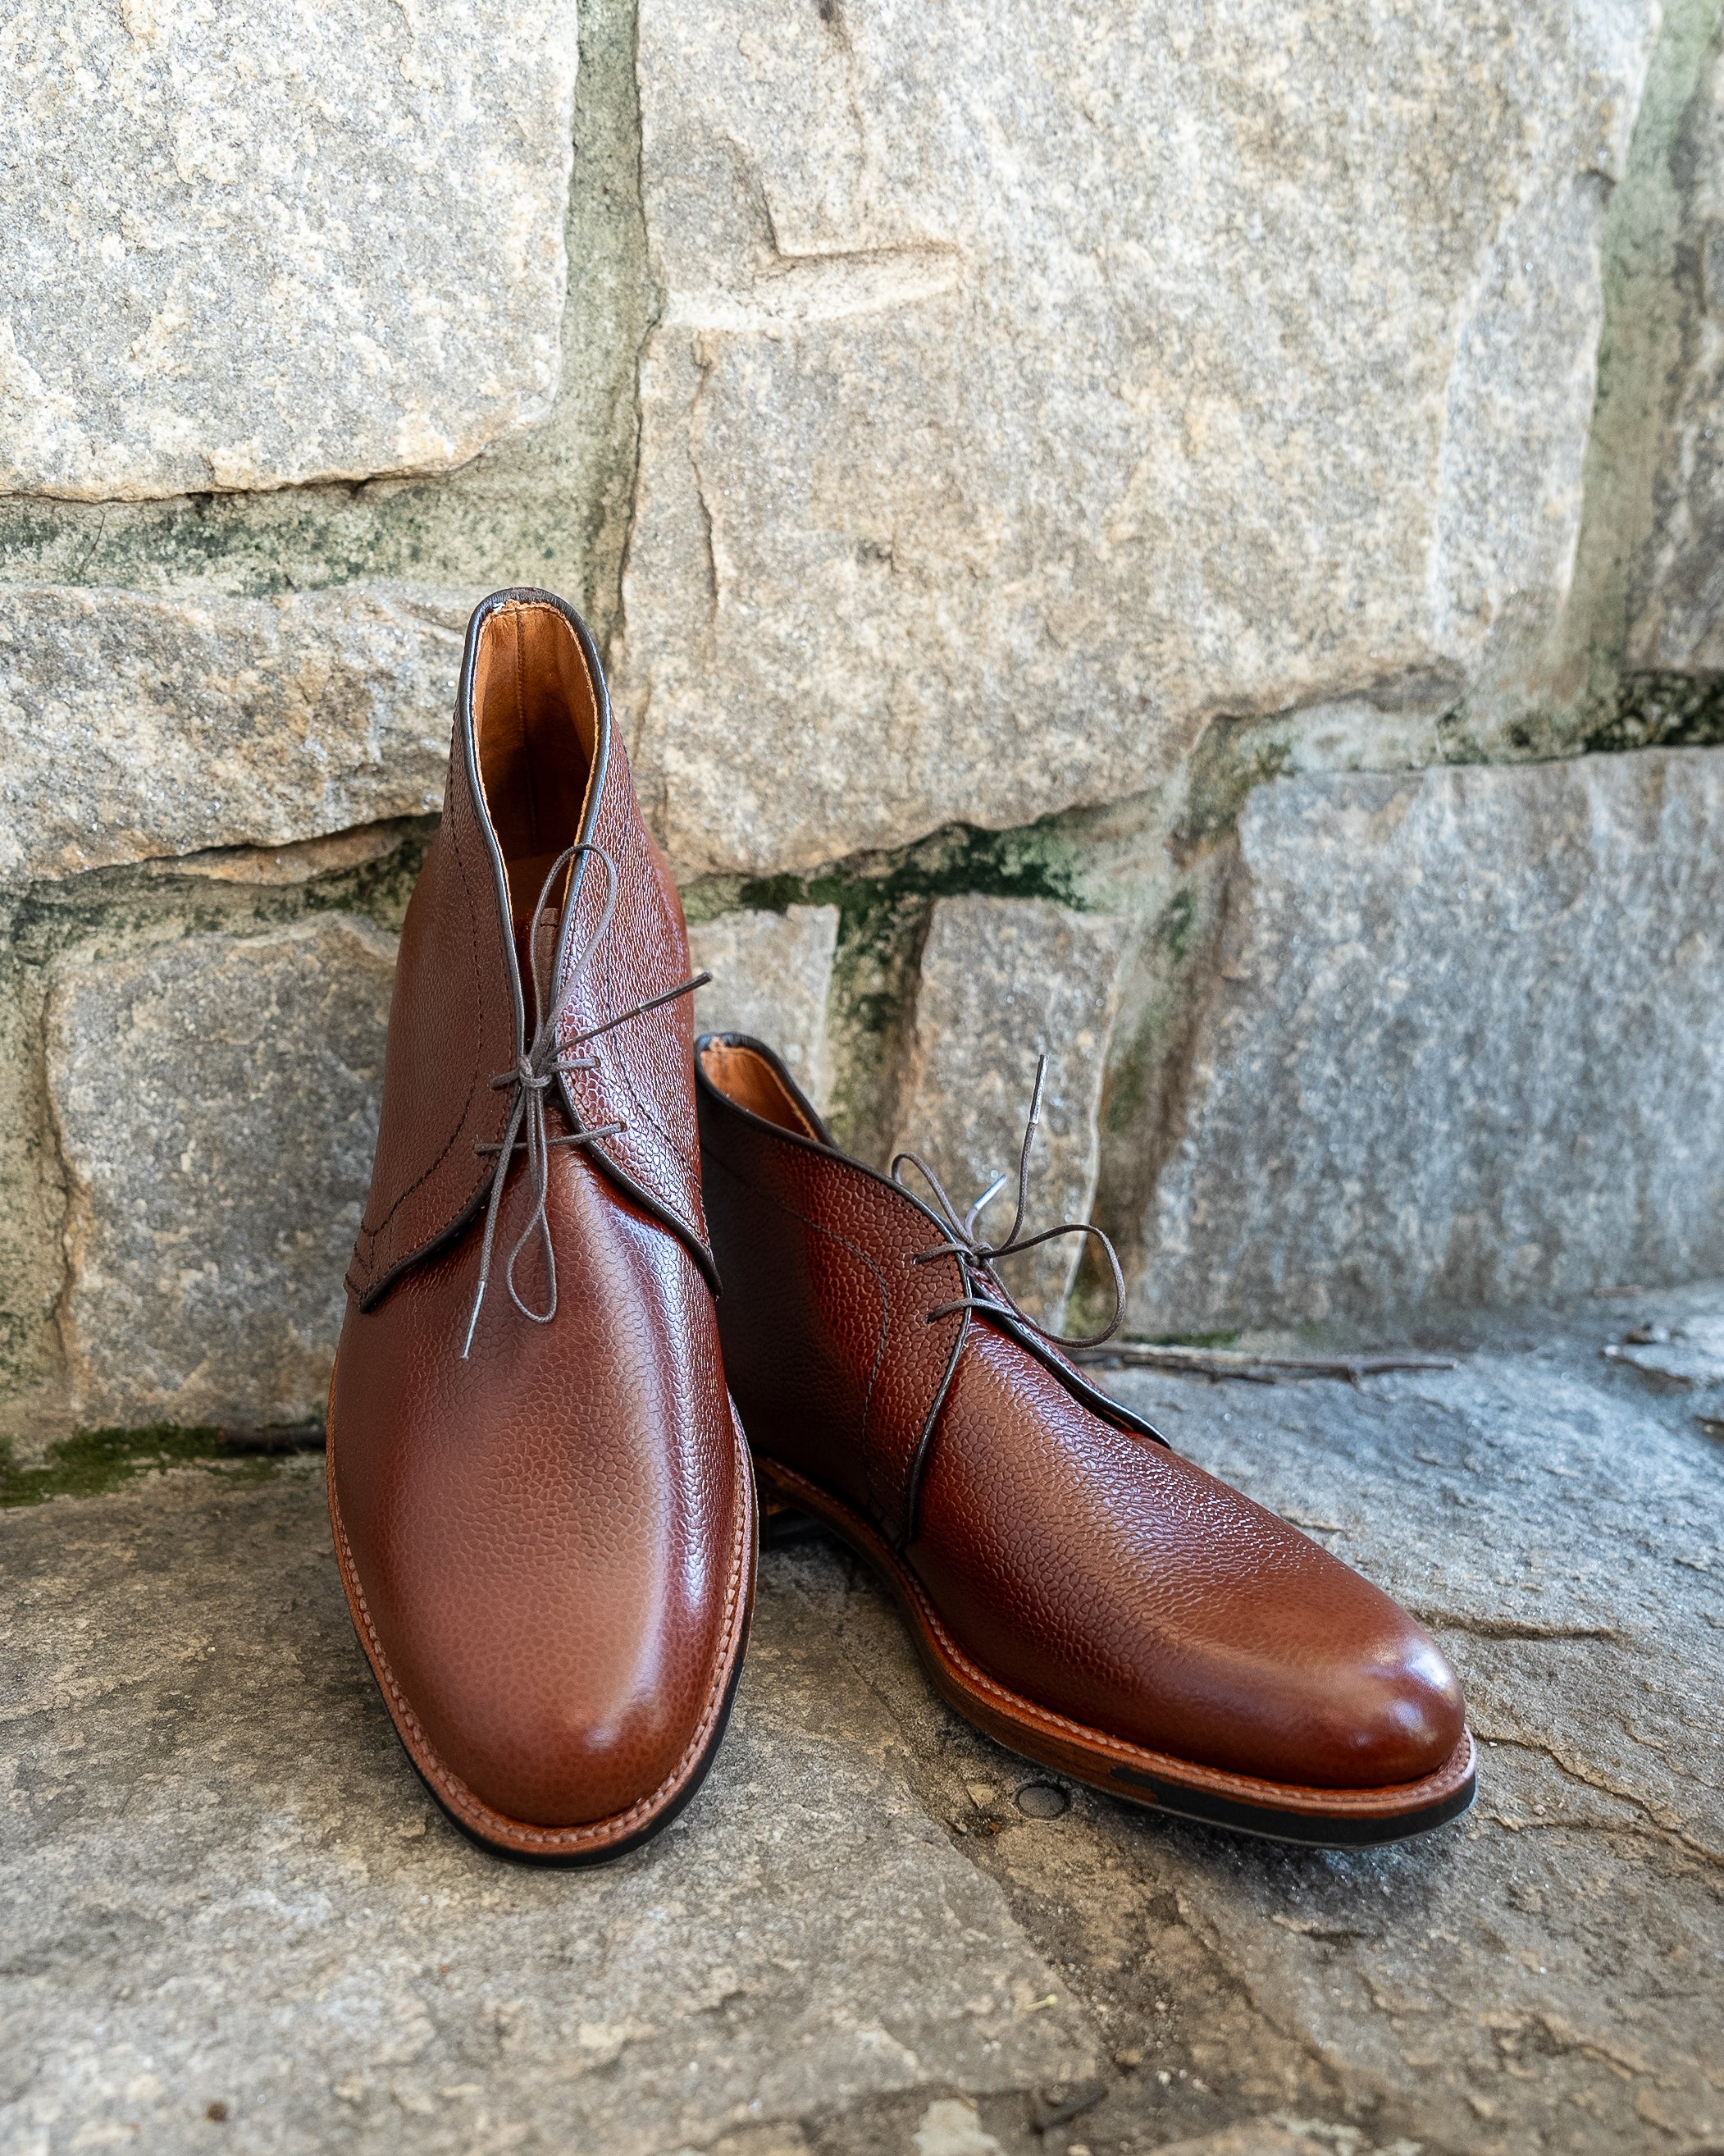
(473, 1322)
(1035, 1098)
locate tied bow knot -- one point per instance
(530, 1077)
(978, 1258)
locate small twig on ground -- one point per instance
(1252, 1369)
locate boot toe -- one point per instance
(1374, 1711)
(547, 1548)
(551, 1745)
(1111, 1581)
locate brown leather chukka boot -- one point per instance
(542, 1506)
(1078, 1590)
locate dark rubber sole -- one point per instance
(1273, 1811)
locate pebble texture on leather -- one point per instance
(547, 1542)
(825, 1312)
(544, 1530)
(1085, 1566)
(1148, 1599)
(642, 1080)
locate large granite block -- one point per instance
(1464, 1044)
(1032, 385)
(216, 1099)
(771, 973)
(252, 248)
(1004, 979)
(1676, 609)
(133, 725)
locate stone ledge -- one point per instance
(136, 726)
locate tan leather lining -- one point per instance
(535, 722)
(744, 1075)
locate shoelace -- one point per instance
(978, 1259)
(532, 1076)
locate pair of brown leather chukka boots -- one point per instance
(595, 1254)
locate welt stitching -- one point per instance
(1243, 1784)
(461, 1798)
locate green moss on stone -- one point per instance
(1663, 710)
(884, 901)
(870, 890)
(1178, 920)
(1234, 756)
(92, 1462)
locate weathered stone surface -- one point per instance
(252, 251)
(278, 866)
(1691, 1354)
(1488, 1980)
(216, 1102)
(220, 1881)
(1003, 980)
(770, 973)
(1676, 620)
(1031, 385)
(805, 1938)
(1263, 2137)
(549, 506)
(1464, 1043)
(133, 725)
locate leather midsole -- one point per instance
(1090, 1754)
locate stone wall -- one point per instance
(1184, 538)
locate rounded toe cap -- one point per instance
(1306, 1676)
(569, 1698)
(1371, 1712)
(1112, 1582)
(554, 1755)
(554, 1664)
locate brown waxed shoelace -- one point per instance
(531, 1077)
(978, 1259)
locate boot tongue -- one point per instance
(550, 928)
